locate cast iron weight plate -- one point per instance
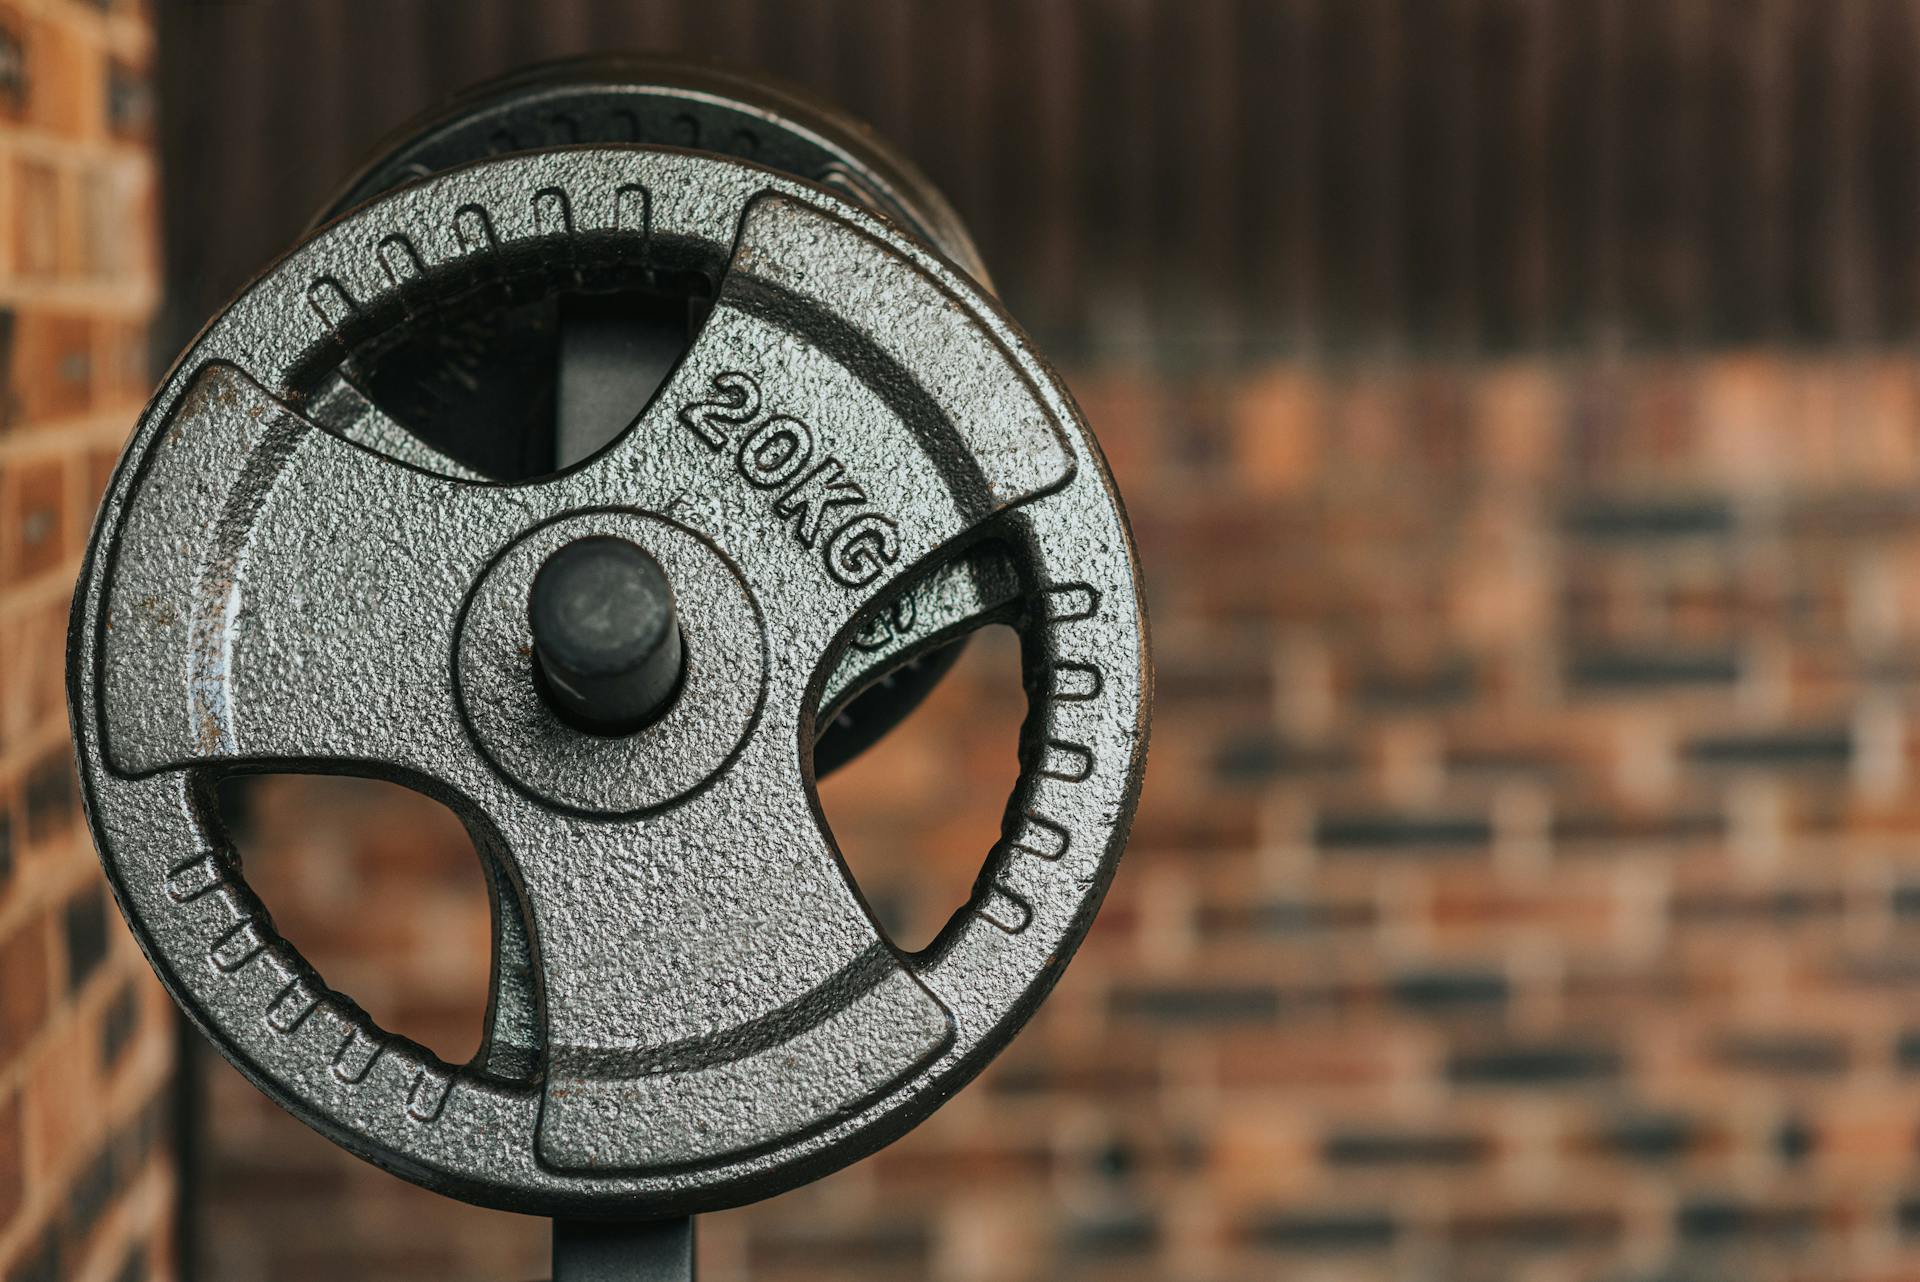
(508, 391)
(715, 1017)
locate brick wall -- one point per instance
(86, 1185)
(1527, 884)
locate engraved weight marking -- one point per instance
(399, 259)
(1040, 837)
(771, 453)
(331, 303)
(237, 947)
(1066, 602)
(1006, 910)
(291, 1008)
(1068, 762)
(428, 1093)
(862, 549)
(1075, 682)
(815, 493)
(825, 488)
(356, 1054)
(235, 902)
(552, 212)
(194, 878)
(895, 622)
(736, 399)
(1068, 682)
(633, 210)
(473, 230)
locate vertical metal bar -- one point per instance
(189, 1103)
(615, 352)
(650, 1251)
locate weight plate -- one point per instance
(710, 1014)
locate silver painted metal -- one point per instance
(692, 1006)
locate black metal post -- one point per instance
(650, 1251)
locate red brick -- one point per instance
(32, 669)
(67, 78)
(1277, 432)
(34, 507)
(62, 1100)
(77, 219)
(25, 983)
(13, 63)
(13, 1162)
(37, 219)
(53, 366)
(122, 364)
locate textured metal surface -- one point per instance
(671, 103)
(614, 352)
(708, 1013)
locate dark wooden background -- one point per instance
(1213, 179)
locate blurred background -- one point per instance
(1517, 407)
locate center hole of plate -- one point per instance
(607, 648)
